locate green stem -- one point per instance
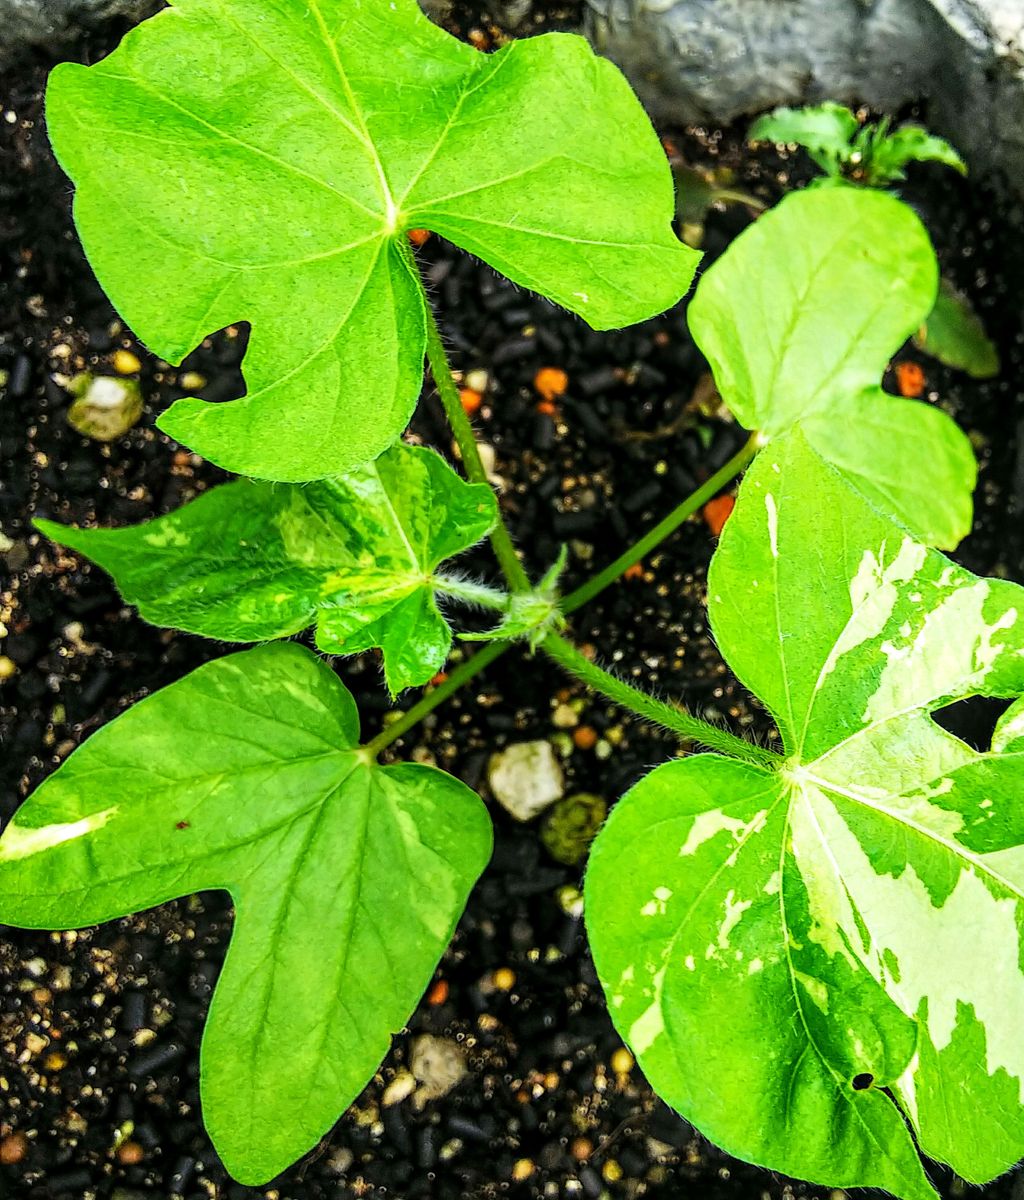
(440, 368)
(668, 525)
(492, 652)
(473, 593)
(462, 674)
(667, 715)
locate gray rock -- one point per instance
(526, 779)
(35, 22)
(719, 60)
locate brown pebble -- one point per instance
(582, 1148)
(130, 1154)
(13, 1149)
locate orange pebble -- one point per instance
(551, 382)
(547, 408)
(910, 379)
(636, 571)
(130, 1154)
(13, 1149)
(419, 237)
(584, 737)
(716, 513)
(471, 400)
(438, 993)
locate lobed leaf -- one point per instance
(857, 913)
(799, 320)
(888, 152)
(274, 180)
(347, 879)
(355, 555)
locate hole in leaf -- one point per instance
(972, 720)
(862, 1082)
(218, 360)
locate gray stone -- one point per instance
(526, 779)
(37, 22)
(722, 60)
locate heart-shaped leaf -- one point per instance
(849, 924)
(355, 554)
(347, 879)
(263, 160)
(799, 320)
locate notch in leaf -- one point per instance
(856, 913)
(347, 879)
(275, 180)
(356, 555)
(799, 321)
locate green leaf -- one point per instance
(262, 161)
(799, 320)
(356, 555)
(888, 153)
(955, 336)
(347, 879)
(850, 923)
(825, 130)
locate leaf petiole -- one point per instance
(472, 593)
(668, 716)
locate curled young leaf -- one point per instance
(799, 320)
(857, 912)
(347, 879)
(355, 555)
(263, 161)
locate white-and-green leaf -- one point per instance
(347, 879)
(799, 320)
(264, 160)
(355, 555)
(821, 965)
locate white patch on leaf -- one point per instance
(22, 843)
(773, 523)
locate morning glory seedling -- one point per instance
(801, 908)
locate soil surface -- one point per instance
(99, 1030)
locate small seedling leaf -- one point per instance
(825, 130)
(239, 160)
(347, 879)
(855, 915)
(799, 321)
(887, 153)
(955, 336)
(355, 555)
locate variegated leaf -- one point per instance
(799, 320)
(354, 554)
(850, 923)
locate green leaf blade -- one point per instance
(348, 879)
(802, 335)
(892, 852)
(250, 561)
(695, 929)
(827, 130)
(305, 146)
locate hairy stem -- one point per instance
(462, 674)
(494, 650)
(668, 525)
(674, 719)
(440, 368)
(473, 593)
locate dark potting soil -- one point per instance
(99, 1030)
